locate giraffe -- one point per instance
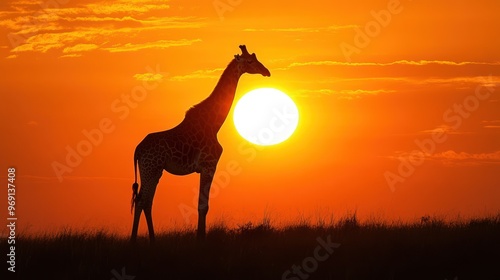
(191, 146)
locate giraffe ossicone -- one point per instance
(191, 146)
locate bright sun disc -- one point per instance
(266, 116)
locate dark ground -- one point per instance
(430, 249)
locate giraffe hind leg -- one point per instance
(145, 197)
(146, 206)
(149, 220)
(137, 217)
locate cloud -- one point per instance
(301, 29)
(199, 74)
(401, 75)
(27, 2)
(398, 62)
(71, 55)
(84, 28)
(149, 77)
(486, 81)
(143, 6)
(446, 129)
(161, 44)
(341, 94)
(491, 124)
(96, 19)
(48, 41)
(68, 41)
(80, 48)
(98, 8)
(452, 158)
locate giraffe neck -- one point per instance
(213, 111)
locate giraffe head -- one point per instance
(248, 63)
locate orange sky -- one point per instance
(398, 101)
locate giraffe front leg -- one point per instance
(206, 178)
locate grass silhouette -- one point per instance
(428, 249)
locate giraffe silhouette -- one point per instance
(191, 146)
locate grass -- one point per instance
(429, 249)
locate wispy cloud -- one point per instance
(149, 77)
(161, 44)
(491, 124)
(47, 41)
(71, 55)
(137, 6)
(462, 158)
(398, 62)
(486, 81)
(75, 30)
(302, 29)
(453, 158)
(341, 94)
(80, 48)
(456, 75)
(199, 74)
(446, 129)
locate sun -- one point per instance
(265, 116)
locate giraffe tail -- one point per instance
(135, 186)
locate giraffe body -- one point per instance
(191, 146)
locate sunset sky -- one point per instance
(399, 105)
